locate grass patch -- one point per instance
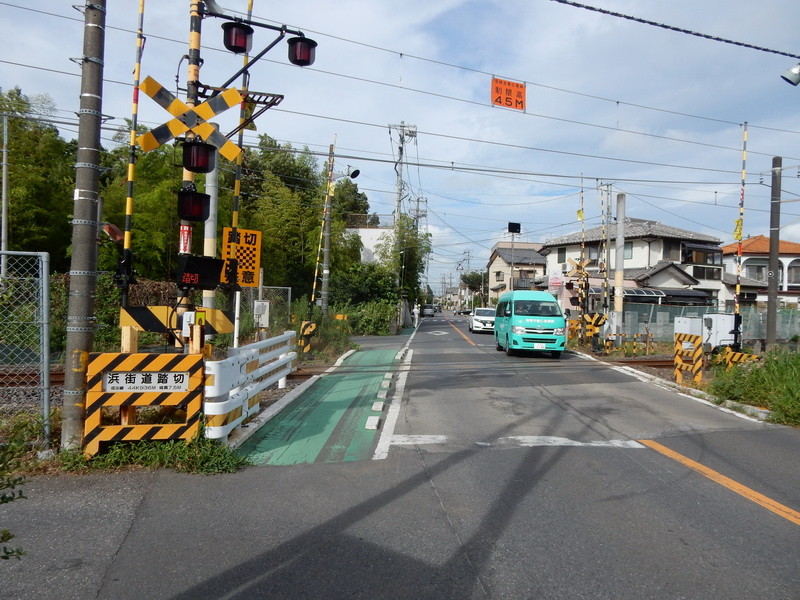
(773, 383)
(21, 437)
(200, 455)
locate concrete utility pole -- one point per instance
(83, 268)
(619, 259)
(773, 278)
(210, 226)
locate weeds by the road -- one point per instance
(20, 436)
(773, 383)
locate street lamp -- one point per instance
(792, 75)
(325, 233)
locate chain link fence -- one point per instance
(267, 309)
(25, 333)
(659, 320)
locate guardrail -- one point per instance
(233, 385)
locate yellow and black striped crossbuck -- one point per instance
(117, 380)
(189, 119)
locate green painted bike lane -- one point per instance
(327, 422)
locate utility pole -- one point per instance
(619, 262)
(410, 132)
(4, 215)
(773, 278)
(83, 266)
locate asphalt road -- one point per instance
(490, 477)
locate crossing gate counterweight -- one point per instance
(116, 380)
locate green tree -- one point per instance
(404, 251)
(362, 283)
(477, 282)
(352, 206)
(154, 230)
(40, 179)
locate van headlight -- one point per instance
(517, 330)
(558, 331)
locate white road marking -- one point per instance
(550, 440)
(385, 440)
(418, 440)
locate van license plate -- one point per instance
(538, 346)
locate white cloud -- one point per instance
(581, 68)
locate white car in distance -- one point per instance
(482, 319)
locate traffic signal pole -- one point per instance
(83, 266)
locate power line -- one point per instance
(706, 36)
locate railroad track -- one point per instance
(28, 378)
(15, 378)
(656, 363)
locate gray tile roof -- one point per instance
(522, 256)
(634, 228)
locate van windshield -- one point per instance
(536, 308)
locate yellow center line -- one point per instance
(461, 333)
(746, 492)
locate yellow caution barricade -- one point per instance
(688, 356)
(116, 381)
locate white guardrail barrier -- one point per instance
(233, 385)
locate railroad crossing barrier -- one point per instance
(635, 337)
(116, 381)
(729, 357)
(233, 385)
(593, 323)
(307, 329)
(688, 356)
(573, 328)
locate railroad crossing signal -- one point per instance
(578, 268)
(189, 119)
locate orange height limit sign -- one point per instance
(510, 94)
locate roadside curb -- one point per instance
(754, 412)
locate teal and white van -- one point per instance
(529, 320)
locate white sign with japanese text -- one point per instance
(146, 381)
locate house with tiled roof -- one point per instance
(661, 264)
(514, 267)
(755, 265)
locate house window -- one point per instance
(628, 250)
(499, 275)
(706, 272)
(757, 272)
(794, 274)
(697, 254)
(672, 250)
(591, 254)
(562, 255)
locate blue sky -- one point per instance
(657, 114)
